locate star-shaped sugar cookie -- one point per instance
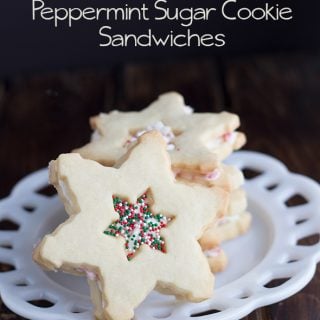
(195, 141)
(93, 196)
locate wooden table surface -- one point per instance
(276, 96)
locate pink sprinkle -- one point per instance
(228, 137)
(90, 275)
(214, 175)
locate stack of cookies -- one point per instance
(141, 196)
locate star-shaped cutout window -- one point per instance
(138, 225)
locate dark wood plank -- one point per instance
(45, 115)
(2, 95)
(308, 305)
(277, 99)
(260, 314)
(198, 81)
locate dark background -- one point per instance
(28, 45)
(53, 80)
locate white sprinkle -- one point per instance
(213, 252)
(95, 136)
(188, 109)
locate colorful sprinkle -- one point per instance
(137, 225)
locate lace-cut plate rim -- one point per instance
(273, 261)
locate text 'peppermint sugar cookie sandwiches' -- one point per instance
(132, 228)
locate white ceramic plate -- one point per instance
(270, 250)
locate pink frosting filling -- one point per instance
(90, 274)
(211, 176)
(213, 252)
